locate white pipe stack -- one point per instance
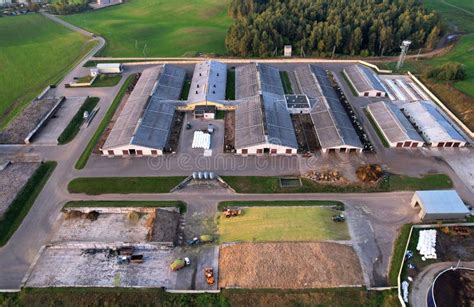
(427, 244)
(201, 140)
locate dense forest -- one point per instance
(323, 27)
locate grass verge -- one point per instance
(127, 204)
(74, 126)
(24, 200)
(377, 129)
(82, 161)
(398, 254)
(220, 114)
(300, 203)
(227, 297)
(185, 89)
(230, 85)
(107, 80)
(123, 185)
(285, 79)
(393, 182)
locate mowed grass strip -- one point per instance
(81, 163)
(266, 224)
(127, 204)
(393, 182)
(107, 80)
(34, 53)
(144, 28)
(398, 254)
(123, 185)
(24, 200)
(74, 126)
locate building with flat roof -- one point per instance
(262, 122)
(109, 68)
(395, 127)
(208, 86)
(144, 124)
(439, 205)
(331, 122)
(432, 125)
(365, 81)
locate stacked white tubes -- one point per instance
(201, 140)
(427, 244)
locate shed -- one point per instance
(110, 68)
(205, 112)
(439, 205)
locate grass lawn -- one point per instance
(263, 224)
(81, 163)
(256, 184)
(377, 129)
(227, 297)
(140, 28)
(123, 185)
(74, 126)
(285, 80)
(126, 204)
(230, 85)
(185, 89)
(24, 200)
(398, 254)
(220, 114)
(107, 80)
(453, 14)
(34, 53)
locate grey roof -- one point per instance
(246, 83)
(209, 82)
(433, 125)
(393, 122)
(440, 201)
(131, 113)
(249, 129)
(147, 115)
(261, 115)
(331, 122)
(364, 79)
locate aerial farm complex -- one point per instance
(211, 174)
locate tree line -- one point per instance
(324, 27)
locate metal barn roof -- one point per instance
(434, 126)
(393, 122)
(249, 129)
(209, 82)
(246, 83)
(364, 79)
(440, 201)
(331, 122)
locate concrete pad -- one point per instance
(186, 137)
(55, 126)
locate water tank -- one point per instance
(195, 176)
(212, 176)
(200, 175)
(205, 175)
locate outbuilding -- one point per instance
(110, 68)
(205, 112)
(365, 81)
(439, 205)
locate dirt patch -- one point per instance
(22, 125)
(305, 133)
(229, 131)
(452, 246)
(455, 288)
(166, 226)
(288, 265)
(176, 127)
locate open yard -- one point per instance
(288, 265)
(259, 224)
(159, 28)
(34, 53)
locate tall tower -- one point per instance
(405, 45)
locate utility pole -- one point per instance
(333, 51)
(419, 51)
(405, 45)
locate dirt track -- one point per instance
(288, 265)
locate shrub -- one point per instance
(447, 72)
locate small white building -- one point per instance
(110, 68)
(439, 205)
(365, 81)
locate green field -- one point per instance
(456, 18)
(264, 224)
(159, 28)
(34, 52)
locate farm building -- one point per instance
(298, 104)
(365, 81)
(205, 112)
(439, 205)
(433, 126)
(262, 121)
(331, 122)
(144, 124)
(393, 124)
(208, 85)
(109, 68)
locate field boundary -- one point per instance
(443, 107)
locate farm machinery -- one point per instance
(338, 218)
(228, 212)
(209, 275)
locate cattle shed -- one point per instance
(433, 125)
(365, 81)
(439, 205)
(208, 85)
(395, 127)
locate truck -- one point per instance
(209, 275)
(178, 264)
